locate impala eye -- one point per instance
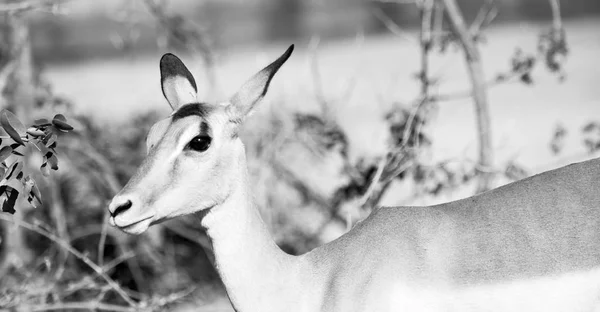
(200, 143)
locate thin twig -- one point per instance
(484, 17)
(92, 306)
(120, 259)
(392, 26)
(556, 17)
(374, 182)
(316, 76)
(102, 241)
(425, 45)
(496, 81)
(114, 285)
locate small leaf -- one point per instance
(12, 125)
(17, 153)
(5, 152)
(61, 125)
(59, 117)
(14, 170)
(51, 140)
(35, 132)
(53, 161)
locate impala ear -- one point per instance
(255, 89)
(178, 84)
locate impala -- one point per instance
(533, 245)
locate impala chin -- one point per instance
(135, 227)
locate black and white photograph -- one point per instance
(300, 155)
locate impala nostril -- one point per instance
(123, 207)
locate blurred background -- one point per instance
(391, 102)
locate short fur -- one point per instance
(533, 245)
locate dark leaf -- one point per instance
(17, 153)
(61, 125)
(59, 117)
(53, 161)
(5, 152)
(13, 126)
(9, 204)
(14, 170)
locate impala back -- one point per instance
(534, 243)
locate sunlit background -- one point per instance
(354, 120)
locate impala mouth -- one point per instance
(136, 227)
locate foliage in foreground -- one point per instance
(43, 135)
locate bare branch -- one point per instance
(425, 45)
(92, 306)
(477, 78)
(316, 76)
(484, 17)
(499, 79)
(391, 26)
(85, 259)
(374, 182)
(556, 17)
(102, 241)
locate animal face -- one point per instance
(194, 157)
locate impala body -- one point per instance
(533, 245)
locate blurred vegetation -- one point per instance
(63, 255)
(106, 30)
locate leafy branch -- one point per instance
(43, 135)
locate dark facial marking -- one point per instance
(204, 128)
(194, 109)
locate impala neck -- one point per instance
(252, 267)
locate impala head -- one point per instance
(194, 157)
